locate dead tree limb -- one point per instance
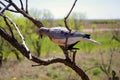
(18, 31)
(27, 6)
(66, 25)
(65, 19)
(25, 51)
(21, 5)
(36, 22)
(8, 25)
(6, 7)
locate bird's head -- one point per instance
(43, 31)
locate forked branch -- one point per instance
(26, 53)
(66, 25)
(24, 49)
(25, 14)
(21, 5)
(65, 19)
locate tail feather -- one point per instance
(87, 38)
(93, 41)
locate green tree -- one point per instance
(78, 18)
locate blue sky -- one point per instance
(93, 9)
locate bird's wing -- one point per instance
(78, 34)
(61, 33)
(58, 32)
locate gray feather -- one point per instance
(59, 34)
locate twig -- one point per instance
(74, 55)
(2, 3)
(26, 53)
(8, 26)
(18, 31)
(36, 22)
(92, 68)
(12, 10)
(6, 7)
(21, 5)
(65, 19)
(49, 61)
(8, 0)
(110, 61)
(27, 6)
(65, 51)
(66, 25)
(102, 64)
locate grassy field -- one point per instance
(89, 57)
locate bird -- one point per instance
(59, 35)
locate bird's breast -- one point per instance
(70, 41)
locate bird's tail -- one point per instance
(87, 38)
(92, 41)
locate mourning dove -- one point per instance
(59, 34)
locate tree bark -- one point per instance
(26, 53)
(20, 47)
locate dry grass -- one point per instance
(15, 70)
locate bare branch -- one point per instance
(14, 42)
(65, 51)
(66, 25)
(67, 63)
(65, 19)
(2, 3)
(27, 6)
(96, 66)
(18, 31)
(102, 65)
(8, 26)
(26, 53)
(74, 55)
(21, 5)
(8, 1)
(12, 10)
(46, 62)
(6, 7)
(20, 34)
(36, 22)
(110, 61)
